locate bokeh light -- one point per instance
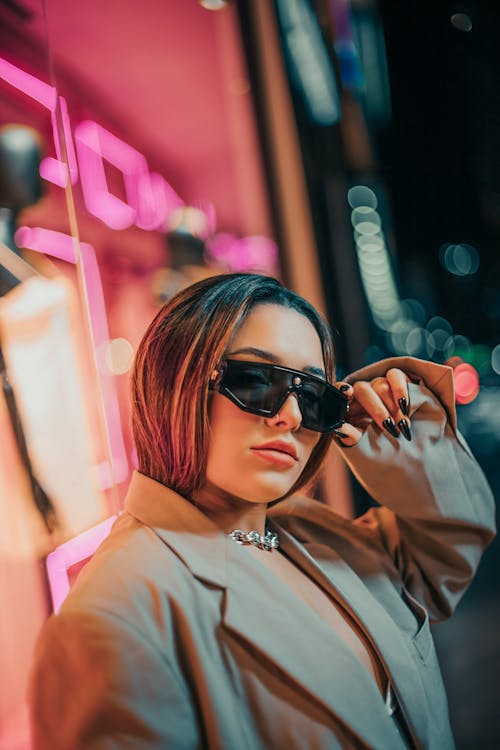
(457, 346)
(118, 356)
(361, 195)
(466, 380)
(398, 333)
(413, 309)
(495, 359)
(370, 242)
(419, 342)
(189, 220)
(460, 260)
(366, 220)
(461, 22)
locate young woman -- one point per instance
(227, 610)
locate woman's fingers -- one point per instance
(398, 382)
(383, 400)
(348, 435)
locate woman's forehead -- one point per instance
(287, 336)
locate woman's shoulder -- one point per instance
(127, 574)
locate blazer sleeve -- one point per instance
(437, 510)
(97, 684)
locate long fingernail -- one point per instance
(340, 434)
(391, 428)
(346, 387)
(405, 429)
(403, 405)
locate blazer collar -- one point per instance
(197, 540)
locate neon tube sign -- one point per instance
(150, 199)
(77, 550)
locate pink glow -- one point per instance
(70, 553)
(28, 84)
(60, 245)
(55, 244)
(94, 143)
(466, 380)
(157, 200)
(53, 170)
(245, 253)
(56, 170)
(150, 198)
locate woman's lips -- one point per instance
(277, 457)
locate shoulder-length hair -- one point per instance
(173, 365)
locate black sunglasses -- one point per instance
(262, 389)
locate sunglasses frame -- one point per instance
(295, 387)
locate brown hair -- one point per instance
(173, 365)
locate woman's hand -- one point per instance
(383, 400)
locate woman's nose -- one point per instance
(289, 415)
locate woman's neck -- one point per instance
(229, 512)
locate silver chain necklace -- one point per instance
(268, 542)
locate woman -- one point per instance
(225, 610)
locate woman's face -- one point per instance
(259, 458)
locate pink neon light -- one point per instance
(28, 84)
(94, 143)
(60, 245)
(150, 198)
(157, 200)
(56, 244)
(56, 170)
(70, 553)
(53, 170)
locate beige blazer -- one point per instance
(175, 637)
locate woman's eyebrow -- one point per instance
(270, 357)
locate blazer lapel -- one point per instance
(196, 539)
(287, 633)
(348, 589)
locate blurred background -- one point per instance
(349, 147)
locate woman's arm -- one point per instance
(437, 513)
(97, 684)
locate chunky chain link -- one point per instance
(268, 542)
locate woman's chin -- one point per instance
(256, 492)
(262, 495)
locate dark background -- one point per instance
(433, 158)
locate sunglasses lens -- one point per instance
(261, 389)
(321, 409)
(255, 387)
